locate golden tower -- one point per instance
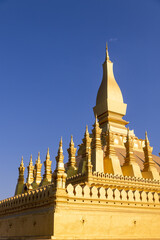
(109, 190)
(110, 107)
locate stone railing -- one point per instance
(27, 200)
(108, 195)
(76, 178)
(118, 180)
(125, 181)
(120, 177)
(45, 196)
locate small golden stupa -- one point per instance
(110, 189)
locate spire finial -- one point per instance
(47, 177)
(60, 149)
(48, 155)
(22, 164)
(60, 156)
(30, 172)
(71, 152)
(107, 54)
(86, 129)
(60, 143)
(149, 164)
(96, 120)
(86, 132)
(146, 136)
(71, 139)
(38, 159)
(30, 163)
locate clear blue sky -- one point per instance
(51, 55)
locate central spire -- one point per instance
(107, 54)
(110, 107)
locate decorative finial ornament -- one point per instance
(60, 156)
(86, 132)
(31, 163)
(38, 159)
(86, 129)
(146, 136)
(148, 154)
(60, 146)
(149, 170)
(87, 138)
(20, 183)
(72, 155)
(130, 166)
(96, 145)
(48, 155)
(47, 177)
(96, 120)
(30, 172)
(107, 54)
(71, 142)
(22, 163)
(110, 151)
(59, 175)
(86, 153)
(37, 173)
(129, 149)
(96, 141)
(21, 172)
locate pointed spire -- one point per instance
(96, 141)
(59, 175)
(38, 159)
(110, 151)
(38, 166)
(147, 143)
(96, 144)
(31, 163)
(86, 153)
(86, 132)
(48, 155)
(71, 143)
(60, 157)
(86, 139)
(47, 177)
(148, 162)
(130, 166)
(96, 120)
(129, 150)
(20, 183)
(71, 152)
(96, 124)
(109, 102)
(30, 172)
(22, 163)
(21, 172)
(107, 54)
(149, 171)
(146, 137)
(60, 150)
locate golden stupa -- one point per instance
(110, 189)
